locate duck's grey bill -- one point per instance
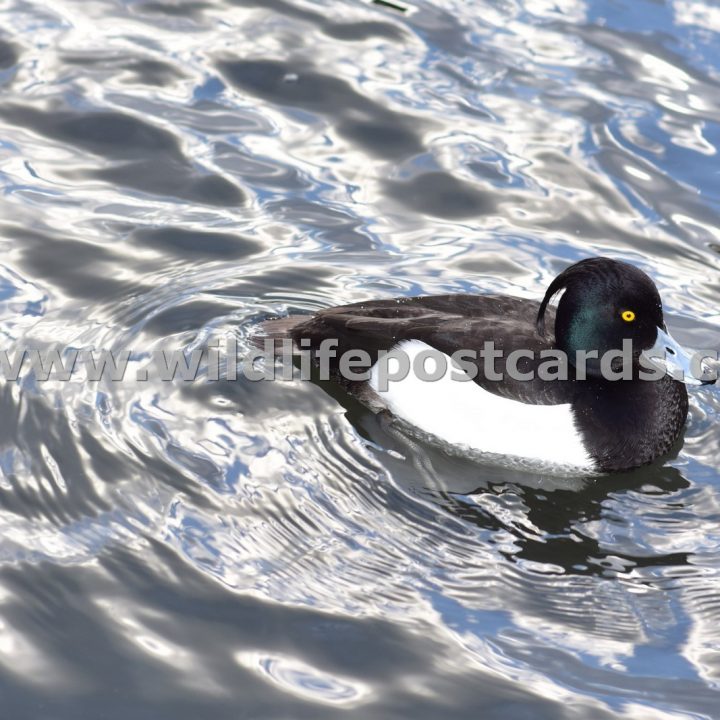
(679, 363)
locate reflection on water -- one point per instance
(177, 171)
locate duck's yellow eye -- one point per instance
(627, 315)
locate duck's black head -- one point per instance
(605, 302)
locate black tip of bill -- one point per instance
(391, 5)
(691, 368)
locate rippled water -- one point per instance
(175, 171)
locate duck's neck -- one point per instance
(630, 422)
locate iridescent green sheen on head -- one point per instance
(597, 292)
(583, 332)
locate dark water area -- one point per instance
(174, 172)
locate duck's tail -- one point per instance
(276, 331)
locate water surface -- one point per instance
(174, 172)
